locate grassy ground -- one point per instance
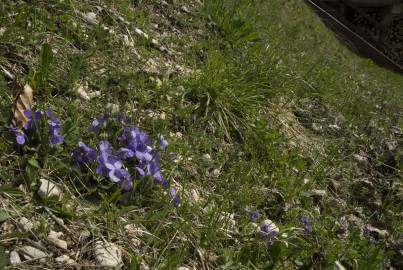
(263, 109)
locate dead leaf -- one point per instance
(22, 102)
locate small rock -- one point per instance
(182, 268)
(216, 172)
(108, 254)
(185, 9)
(90, 17)
(25, 224)
(391, 145)
(62, 259)
(206, 157)
(315, 192)
(30, 252)
(94, 94)
(48, 189)
(82, 92)
(114, 108)
(195, 195)
(53, 238)
(376, 232)
(14, 257)
(2, 31)
(360, 159)
(164, 3)
(141, 33)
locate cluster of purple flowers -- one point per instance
(306, 222)
(34, 119)
(134, 145)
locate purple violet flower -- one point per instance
(163, 142)
(83, 153)
(54, 129)
(306, 222)
(33, 119)
(174, 196)
(254, 216)
(20, 136)
(99, 122)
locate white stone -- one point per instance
(90, 17)
(82, 93)
(53, 238)
(25, 224)
(62, 259)
(30, 252)
(114, 108)
(94, 94)
(195, 195)
(182, 268)
(206, 157)
(14, 257)
(185, 9)
(107, 254)
(315, 192)
(216, 172)
(2, 31)
(48, 189)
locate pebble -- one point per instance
(48, 189)
(30, 252)
(195, 195)
(315, 192)
(185, 9)
(114, 108)
(25, 224)
(64, 259)
(14, 257)
(206, 157)
(182, 268)
(53, 238)
(107, 254)
(90, 17)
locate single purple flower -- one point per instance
(306, 222)
(99, 122)
(125, 153)
(54, 130)
(163, 142)
(33, 118)
(20, 136)
(254, 216)
(83, 153)
(174, 196)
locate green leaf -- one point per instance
(34, 163)
(46, 58)
(3, 258)
(4, 215)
